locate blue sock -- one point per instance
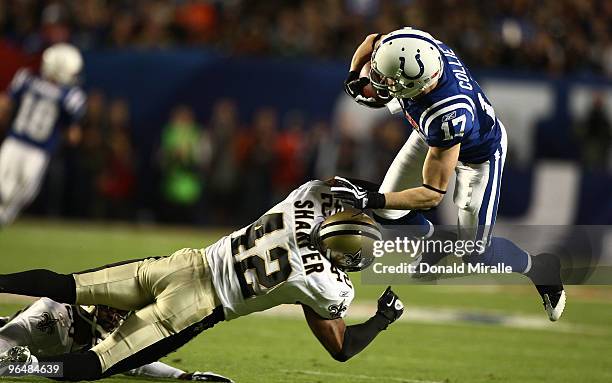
(502, 250)
(414, 224)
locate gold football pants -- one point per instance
(167, 295)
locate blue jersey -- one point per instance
(43, 108)
(455, 111)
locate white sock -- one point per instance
(157, 370)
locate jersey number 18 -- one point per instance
(36, 117)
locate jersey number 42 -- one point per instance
(253, 268)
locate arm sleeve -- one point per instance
(357, 337)
(449, 125)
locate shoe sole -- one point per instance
(555, 313)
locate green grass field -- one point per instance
(451, 333)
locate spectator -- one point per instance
(557, 36)
(319, 150)
(117, 179)
(289, 149)
(82, 197)
(223, 171)
(196, 21)
(180, 166)
(389, 137)
(595, 134)
(257, 159)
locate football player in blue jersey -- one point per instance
(44, 105)
(455, 131)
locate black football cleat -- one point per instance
(208, 376)
(545, 273)
(554, 300)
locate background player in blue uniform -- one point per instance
(43, 106)
(457, 132)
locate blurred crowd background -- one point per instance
(554, 36)
(224, 168)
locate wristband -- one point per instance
(376, 200)
(434, 189)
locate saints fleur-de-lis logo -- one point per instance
(46, 324)
(353, 259)
(336, 310)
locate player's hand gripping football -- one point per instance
(390, 306)
(355, 85)
(356, 196)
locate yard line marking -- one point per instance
(360, 376)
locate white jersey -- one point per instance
(45, 326)
(271, 262)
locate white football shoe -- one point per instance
(554, 304)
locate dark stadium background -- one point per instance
(202, 113)
(257, 89)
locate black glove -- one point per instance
(390, 306)
(356, 196)
(353, 86)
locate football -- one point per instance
(368, 90)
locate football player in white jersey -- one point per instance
(44, 105)
(455, 132)
(49, 328)
(296, 253)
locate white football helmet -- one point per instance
(405, 63)
(61, 63)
